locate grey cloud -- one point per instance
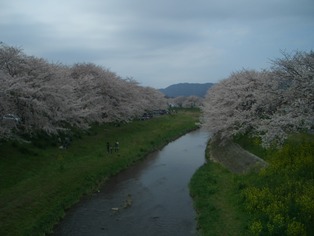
(160, 42)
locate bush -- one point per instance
(281, 198)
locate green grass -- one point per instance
(217, 200)
(253, 145)
(278, 200)
(39, 181)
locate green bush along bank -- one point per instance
(39, 181)
(278, 200)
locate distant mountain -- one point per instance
(186, 89)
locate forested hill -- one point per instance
(186, 89)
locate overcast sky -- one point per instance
(163, 42)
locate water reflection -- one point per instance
(150, 198)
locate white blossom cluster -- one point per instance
(270, 104)
(51, 97)
(186, 101)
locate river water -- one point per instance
(150, 198)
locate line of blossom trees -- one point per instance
(186, 101)
(270, 103)
(51, 97)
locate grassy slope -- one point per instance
(217, 200)
(38, 184)
(219, 194)
(281, 197)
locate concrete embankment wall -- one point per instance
(233, 156)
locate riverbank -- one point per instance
(231, 200)
(39, 182)
(215, 189)
(233, 157)
(146, 199)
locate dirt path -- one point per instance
(234, 157)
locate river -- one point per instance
(149, 198)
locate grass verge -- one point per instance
(217, 200)
(39, 182)
(280, 198)
(277, 200)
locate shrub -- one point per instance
(282, 198)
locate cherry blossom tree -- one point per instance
(192, 101)
(151, 99)
(12, 60)
(270, 104)
(105, 97)
(233, 105)
(186, 101)
(52, 97)
(295, 94)
(34, 92)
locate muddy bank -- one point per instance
(233, 156)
